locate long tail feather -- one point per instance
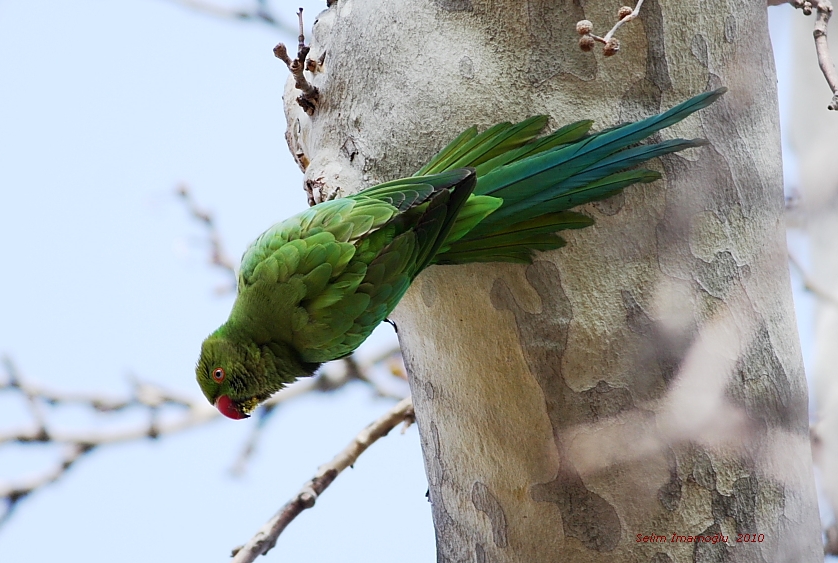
(543, 177)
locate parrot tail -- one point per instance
(541, 179)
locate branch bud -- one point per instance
(584, 27)
(586, 43)
(611, 47)
(281, 53)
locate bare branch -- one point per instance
(265, 539)
(822, 48)
(310, 95)
(824, 12)
(13, 494)
(809, 284)
(182, 413)
(611, 45)
(831, 546)
(218, 256)
(76, 443)
(625, 14)
(329, 378)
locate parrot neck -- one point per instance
(286, 364)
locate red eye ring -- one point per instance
(218, 375)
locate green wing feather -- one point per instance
(339, 268)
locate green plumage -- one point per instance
(313, 287)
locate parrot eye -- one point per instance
(218, 375)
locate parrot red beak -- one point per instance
(228, 408)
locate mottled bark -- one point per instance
(646, 379)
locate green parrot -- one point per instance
(312, 288)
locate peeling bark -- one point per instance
(645, 379)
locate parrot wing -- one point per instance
(324, 279)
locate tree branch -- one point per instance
(265, 539)
(310, 96)
(824, 12)
(218, 256)
(76, 443)
(333, 375)
(611, 45)
(831, 546)
(809, 284)
(193, 411)
(822, 47)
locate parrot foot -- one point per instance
(393, 324)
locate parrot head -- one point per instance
(232, 377)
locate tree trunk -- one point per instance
(645, 380)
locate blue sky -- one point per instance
(105, 107)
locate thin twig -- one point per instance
(611, 45)
(301, 37)
(183, 413)
(13, 494)
(76, 443)
(822, 48)
(831, 546)
(329, 378)
(310, 95)
(265, 539)
(625, 19)
(824, 12)
(809, 284)
(218, 256)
